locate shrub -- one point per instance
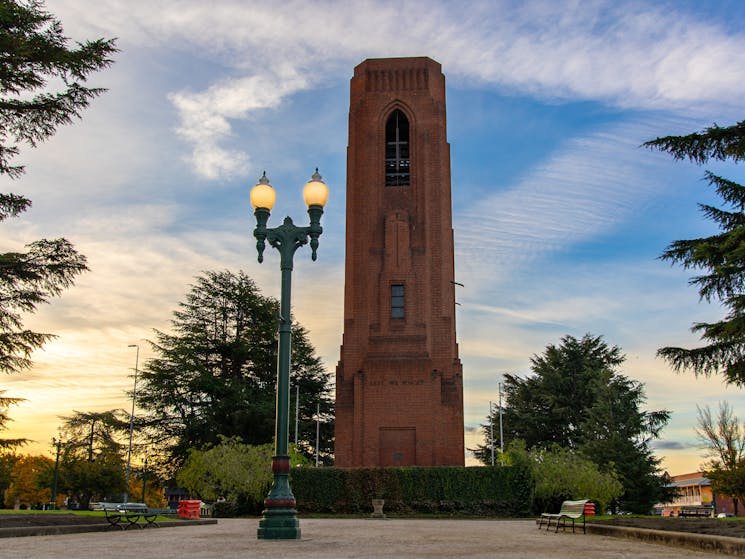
(495, 491)
(561, 474)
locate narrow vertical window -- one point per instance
(397, 301)
(397, 161)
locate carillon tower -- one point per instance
(399, 384)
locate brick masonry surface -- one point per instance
(399, 383)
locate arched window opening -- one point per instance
(397, 163)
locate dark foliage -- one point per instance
(91, 463)
(34, 56)
(499, 491)
(5, 403)
(28, 279)
(33, 52)
(215, 374)
(720, 258)
(577, 400)
(714, 142)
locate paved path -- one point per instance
(348, 538)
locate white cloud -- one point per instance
(588, 187)
(205, 117)
(630, 54)
(627, 54)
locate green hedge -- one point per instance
(494, 491)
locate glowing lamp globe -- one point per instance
(263, 195)
(315, 192)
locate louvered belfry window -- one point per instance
(397, 162)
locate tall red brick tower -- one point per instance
(399, 384)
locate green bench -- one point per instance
(570, 510)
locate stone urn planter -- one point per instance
(378, 508)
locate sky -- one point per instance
(559, 213)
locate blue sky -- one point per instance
(559, 214)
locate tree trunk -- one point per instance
(85, 500)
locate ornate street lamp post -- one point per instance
(279, 518)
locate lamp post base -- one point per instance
(279, 524)
(279, 519)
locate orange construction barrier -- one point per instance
(189, 509)
(589, 509)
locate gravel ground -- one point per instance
(347, 538)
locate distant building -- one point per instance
(694, 490)
(174, 494)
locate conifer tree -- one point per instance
(576, 399)
(5, 403)
(214, 374)
(33, 53)
(41, 88)
(34, 57)
(720, 257)
(92, 459)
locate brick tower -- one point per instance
(399, 385)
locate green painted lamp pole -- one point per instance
(279, 518)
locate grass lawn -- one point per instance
(90, 513)
(58, 511)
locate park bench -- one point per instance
(701, 511)
(152, 515)
(127, 515)
(570, 510)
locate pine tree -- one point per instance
(92, 459)
(28, 279)
(215, 375)
(34, 57)
(720, 257)
(576, 399)
(33, 52)
(5, 403)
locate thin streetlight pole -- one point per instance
(131, 425)
(58, 444)
(491, 430)
(144, 479)
(501, 432)
(318, 428)
(297, 408)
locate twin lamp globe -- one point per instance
(315, 193)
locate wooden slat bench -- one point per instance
(570, 510)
